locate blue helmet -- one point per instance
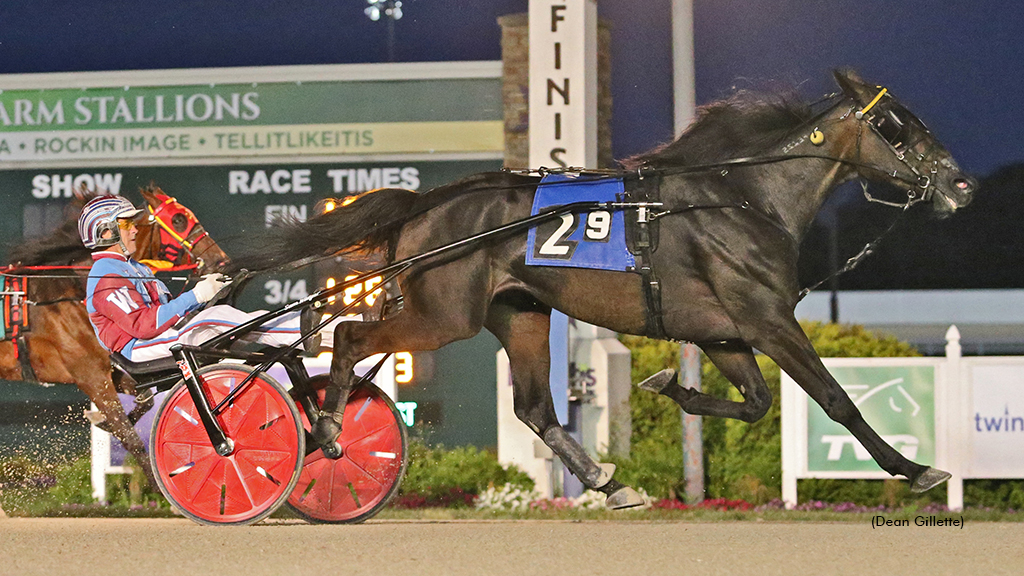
(101, 214)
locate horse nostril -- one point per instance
(963, 184)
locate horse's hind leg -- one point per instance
(521, 325)
(104, 395)
(735, 359)
(412, 329)
(790, 348)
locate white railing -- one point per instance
(961, 414)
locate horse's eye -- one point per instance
(179, 222)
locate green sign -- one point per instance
(231, 201)
(898, 402)
(252, 119)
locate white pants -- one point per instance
(282, 331)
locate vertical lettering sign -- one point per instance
(897, 401)
(563, 83)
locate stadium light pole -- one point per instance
(685, 104)
(389, 10)
(682, 64)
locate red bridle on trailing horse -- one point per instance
(179, 232)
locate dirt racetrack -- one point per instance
(109, 547)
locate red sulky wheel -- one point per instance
(374, 457)
(250, 483)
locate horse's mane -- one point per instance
(742, 125)
(63, 246)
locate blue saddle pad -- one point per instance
(594, 240)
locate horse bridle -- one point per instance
(194, 233)
(881, 124)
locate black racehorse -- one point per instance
(739, 189)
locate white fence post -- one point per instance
(100, 461)
(956, 402)
(790, 441)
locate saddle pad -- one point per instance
(595, 240)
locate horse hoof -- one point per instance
(929, 479)
(95, 417)
(332, 450)
(658, 382)
(325, 430)
(605, 476)
(623, 498)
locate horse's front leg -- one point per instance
(735, 360)
(522, 328)
(104, 395)
(788, 346)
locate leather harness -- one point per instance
(16, 322)
(642, 241)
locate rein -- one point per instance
(188, 245)
(868, 248)
(917, 182)
(13, 271)
(921, 182)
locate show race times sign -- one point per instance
(232, 202)
(897, 401)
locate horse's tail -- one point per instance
(369, 223)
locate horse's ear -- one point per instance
(852, 85)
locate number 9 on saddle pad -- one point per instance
(594, 240)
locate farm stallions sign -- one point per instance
(273, 112)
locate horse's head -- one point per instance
(894, 146)
(176, 235)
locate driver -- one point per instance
(132, 311)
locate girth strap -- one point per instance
(27, 373)
(643, 241)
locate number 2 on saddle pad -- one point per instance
(587, 240)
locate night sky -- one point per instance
(956, 63)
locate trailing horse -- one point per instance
(60, 345)
(715, 218)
